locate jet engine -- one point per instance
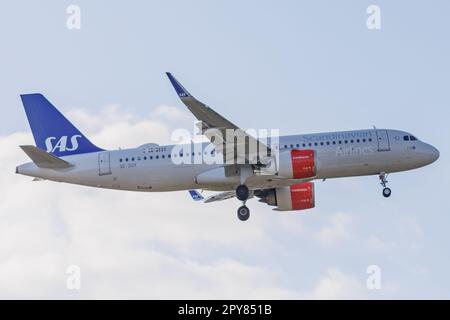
(296, 197)
(297, 164)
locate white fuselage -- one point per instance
(149, 168)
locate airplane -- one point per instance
(280, 173)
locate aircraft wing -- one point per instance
(196, 196)
(214, 127)
(221, 196)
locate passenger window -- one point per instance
(120, 160)
(156, 157)
(370, 139)
(364, 140)
(126, 159)
(346, 141)
(298, 146)
(145, 158)
(151, 157)
(132, 159)
(163, 156)
(304, 145)
(334, 142)
(351, 141)
(309, 144)
(292, 146)
(357, 140)
(315, 143)
(321, 143)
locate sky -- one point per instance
(298, 66)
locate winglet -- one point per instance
(181, 91)
(196, 196)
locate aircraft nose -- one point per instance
(436, 154)
(432, 153)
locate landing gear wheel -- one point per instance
(242, 192)
(387, 192)
(243, 213)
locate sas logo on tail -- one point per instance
(61, 144)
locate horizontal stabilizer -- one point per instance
(44, 159)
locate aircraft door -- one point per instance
(383, 140)
(104, 165)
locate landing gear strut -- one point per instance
(383, 181)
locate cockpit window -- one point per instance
(406, 138)
(412, 138)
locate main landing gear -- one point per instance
(242, 193)
(383, 181)
(243, 213)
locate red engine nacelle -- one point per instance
(296, 197)
(297, 164)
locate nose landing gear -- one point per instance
(383, 181)
(387, 192)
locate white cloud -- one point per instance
(171, 113)
(337, 229)
(338, 285)
(112, 128)
(377, 243)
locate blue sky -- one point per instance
(294, 65)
